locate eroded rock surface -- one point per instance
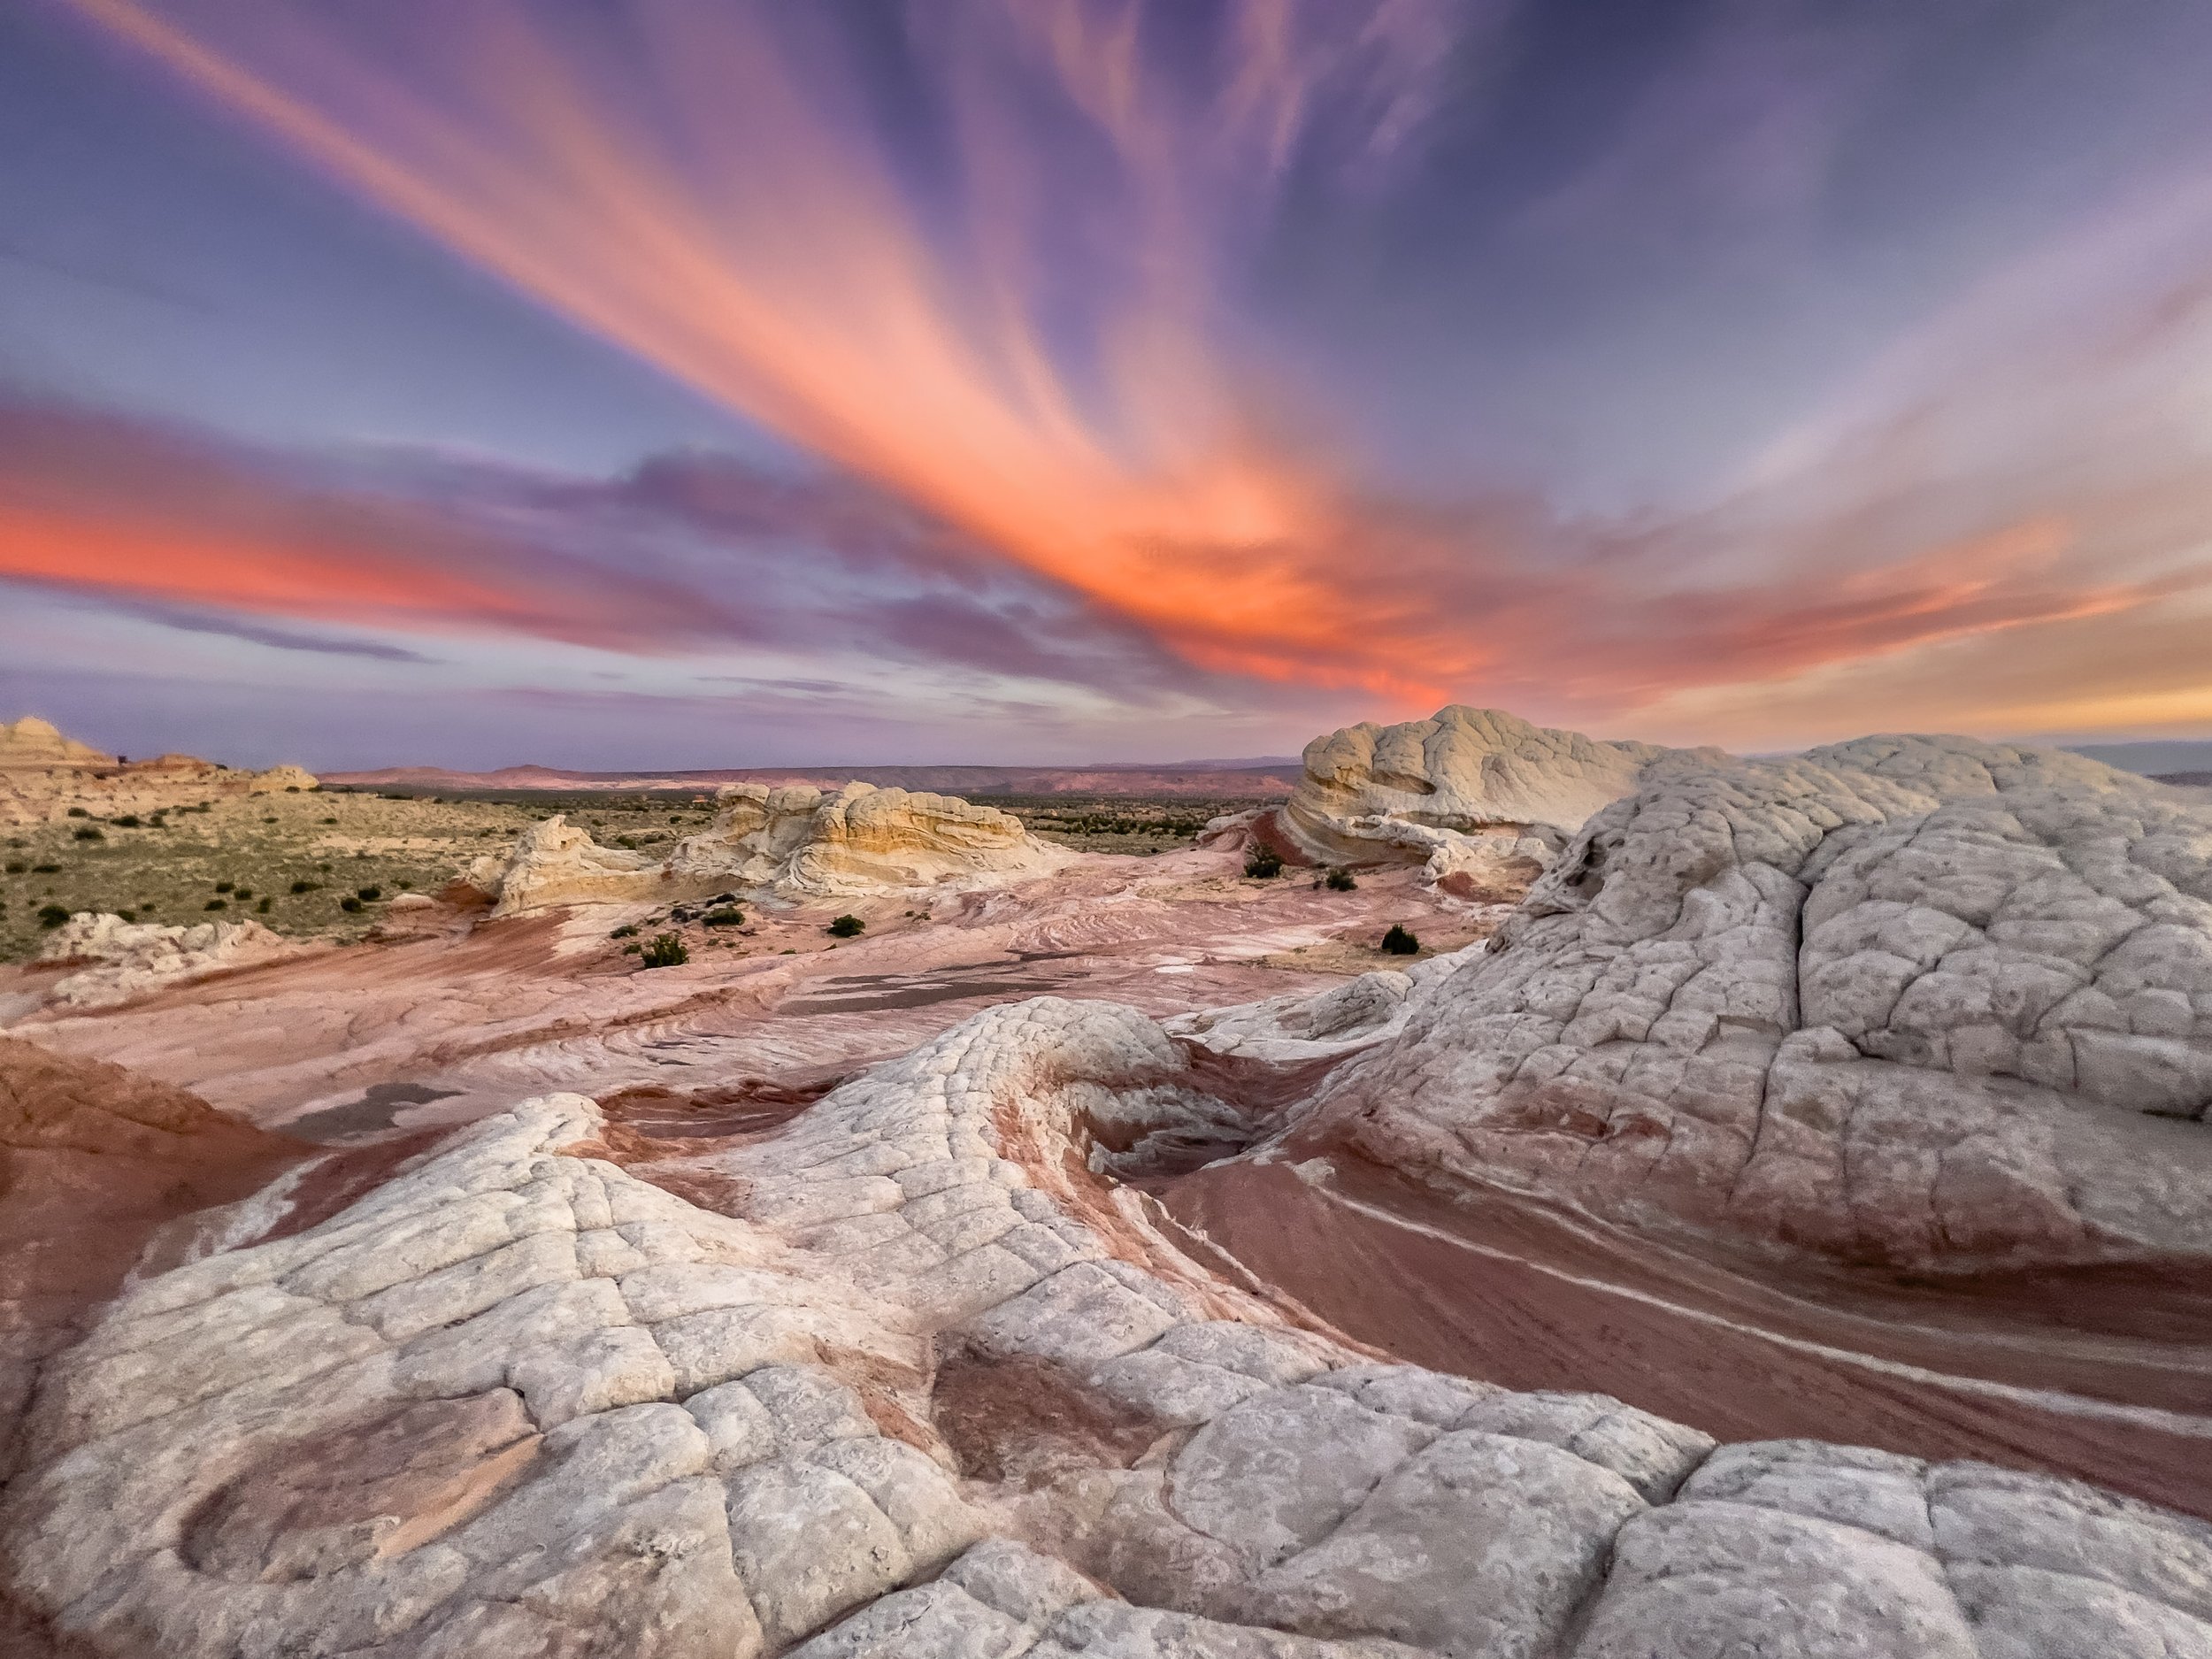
(1910, 1001)
(931, 1386)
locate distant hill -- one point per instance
(2156, 758)
(1248, 778)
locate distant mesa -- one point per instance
(792, 843)
(1258, 778)
(42, 774)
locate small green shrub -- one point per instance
(217, 904)
(350, 904)
(1341, 881)
(243, 894)
(304, 886)
(78, 811)
(16, 866)
(368, 893)
(129, 820)
(628, 930)
(45, 869)
(128, 916)
(666, 950)
(51, 916)
(847, 926)
(1399, 942)
(330, 821)
(1264, 862)
(727, 915)
(225, 887)
(291, 788)
(263, 907)
(90, 835)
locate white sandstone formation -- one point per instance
(930, 1390)
(127, 959)
(792, 843)
(1903, 999)
(1403, 792)
(42, 774)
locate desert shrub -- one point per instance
(52, 915)
(128, 916)
(1399, 942)
(350, 904)
(45, 869)
(78, 811)
(16, 866)
(304, 887)
(217, 904)
(628, 930)
(90, 835)
(368, 893)
(263, 907)
(330, 821)
(129, 820)
(1264, 862)
(727, 915)
(291, 788)
(225, 887)
(846, 926)
(242, 892)
(632, 948)
(1341, 881)
(666, 950)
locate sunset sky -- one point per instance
(698, 382)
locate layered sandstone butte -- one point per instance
(789, 842)
(1904, 1000)
(932, 1389)
(42, 774)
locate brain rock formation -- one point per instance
(1901, 1000)
(925, 1385)
(792, 842)
(1483, 796)
(116, 960)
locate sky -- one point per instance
(654, 383)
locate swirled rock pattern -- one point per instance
(921, 1383)
(116, 960)
(1913, 1000)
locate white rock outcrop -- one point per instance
(1904, 1000)
(792, 843)
(932, 1390)
(127, 959)
(1481, 796)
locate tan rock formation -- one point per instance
(44, 774)
(792, 843)
(798, 841)
(1400, 793)
(557, 862)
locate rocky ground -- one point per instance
(1782, 1231)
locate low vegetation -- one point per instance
(1262, 863)
(847, 926)
(666, 950)
(1401, 942)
